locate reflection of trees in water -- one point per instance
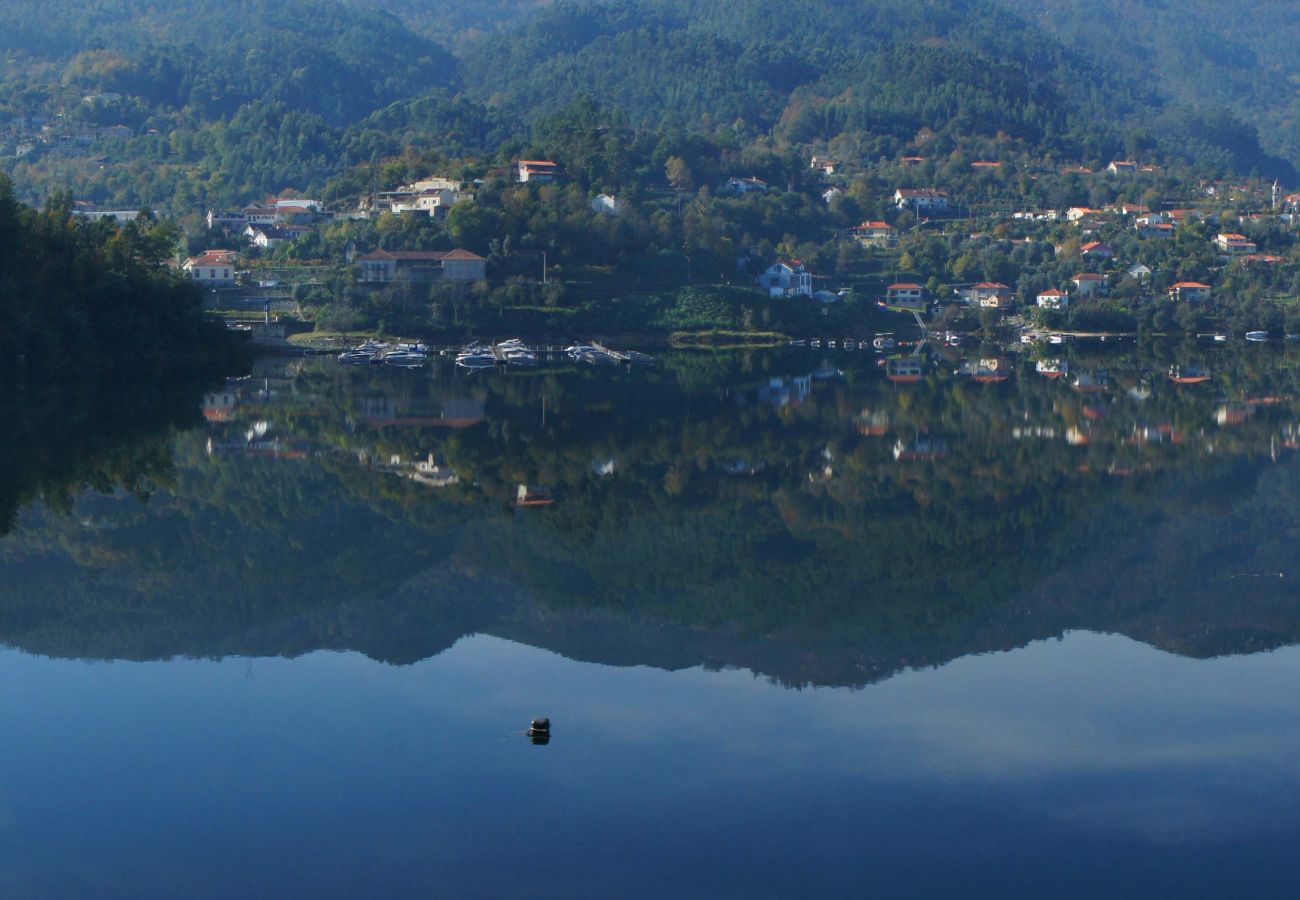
(789, 533)
(65, 439)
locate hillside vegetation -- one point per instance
(227, 102)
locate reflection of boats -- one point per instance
(1257, 336)
(907, 370)
(1188, 374)
(479, 360)
(516, 357)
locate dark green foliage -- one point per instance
(93, 297)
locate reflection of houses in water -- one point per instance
(985, 371)
(743, 467)
(1233, 413)
(385, 411)
(921, 448)
(1191, 373)
(1077, 437)
(424, 471)
(1091, 382)
(786, 391)
(261, 441)
(1052, 368)
(1160, 433)
(604, 467)
(429, 472)
(905, 370)
(1291, 436)
(219, 406)
(533, 495)
(874, 424)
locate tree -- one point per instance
(679, 174)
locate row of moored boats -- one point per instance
(483, 356)
(380, 353)
(486, 356)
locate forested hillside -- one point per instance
(93, 298)
(216, 104)
(455, 22)
(1197, 52)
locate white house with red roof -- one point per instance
(1151, 226)
(786, 278)
(381, 266)
(1234, 244)
(921, 200)
(875, 234)
(827, 165)
(1089, 283)
(536, 171)
(1096, 250)
(905, 295)
(1191, 291)
(1053, 299)
(213, 269)
(989, 294)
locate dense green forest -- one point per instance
(1196, 52)
(290, 95)
(82, 298)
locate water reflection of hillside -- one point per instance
(816, 520)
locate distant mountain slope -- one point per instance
(880, 68)
(454, 22)
(315, 55)
(1195, 51)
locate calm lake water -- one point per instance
(805, 623)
